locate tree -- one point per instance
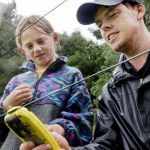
(147, 16)
(9, 60)
(9, 19)
(110, 58)
(8, 69)
(71, 44)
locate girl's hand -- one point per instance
(56, 128)
(19, 95)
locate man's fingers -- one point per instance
(61, 141)
(31, 146)
(27, 146)
(42, 147)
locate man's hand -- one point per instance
(59, 138)
(31, 146)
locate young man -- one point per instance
(123, 116)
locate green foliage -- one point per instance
(8, 69)
(82, 62)
(73, 43)
(9, 59)
(97, 87)
(96, 33)
(90, 58)
(8, 23)
(86, 55)
(95, 54)
(109, 58)
(147, 16)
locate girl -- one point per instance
(67, 112)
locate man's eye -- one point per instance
(113, 15)
(99, 25)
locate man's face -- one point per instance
(118, 26)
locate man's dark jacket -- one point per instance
(123, 116)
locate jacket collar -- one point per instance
(29, 64)
(126, 70)
(119, 72)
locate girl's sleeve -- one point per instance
(77, 117)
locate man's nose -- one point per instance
(106, 25)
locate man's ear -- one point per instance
(56, 38)
(140, 11)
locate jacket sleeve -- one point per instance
(105, 136)
(77, 117)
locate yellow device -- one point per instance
(27, 127)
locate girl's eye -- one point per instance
(29, 46)
(41, 42)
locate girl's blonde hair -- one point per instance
(37, 22)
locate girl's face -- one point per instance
(39, 46)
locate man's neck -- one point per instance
(142, 45)
(138, 62)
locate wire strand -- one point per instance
(99, 72)
(32, 24)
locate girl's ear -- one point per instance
(55, 36)
(21, 51)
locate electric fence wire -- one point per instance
(99, 72)
(28, 28)
(55, 91)
(32, 24)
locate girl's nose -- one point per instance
(37, 48)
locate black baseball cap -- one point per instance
(86, 12)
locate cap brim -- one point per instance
(86, 12)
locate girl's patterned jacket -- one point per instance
(59, 103)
